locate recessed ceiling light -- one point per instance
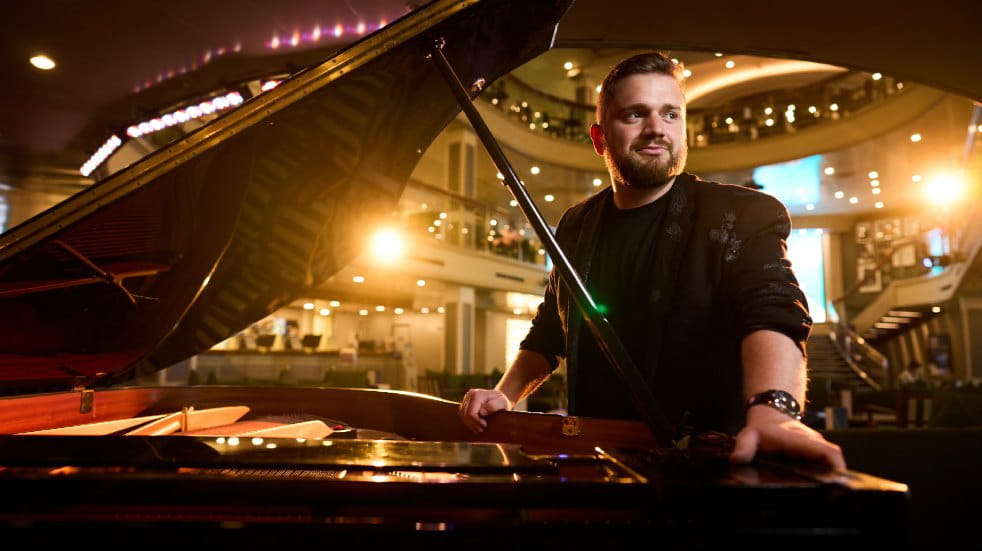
(550, 198)
(876, 191)
(877, 76)
(718, 54)
(834, 107)
(874, 183)
(839, 195)
(829, 171)
(358, 279)
(513, 202)
(534, 170)
(730, 64)
(43, 62)
(568, 65)
(915, 138)
(335, 303)
(915, 178)
(686, 73)
(325, 312)
(597, 182)
(810, 206)
(873, 174)
(936, 309)
(879, 204)
(420, 282)
(854, 200)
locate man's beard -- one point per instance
(629, 168)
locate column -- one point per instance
(458, 327)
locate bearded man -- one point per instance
(693, 277)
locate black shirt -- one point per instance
(619, 282)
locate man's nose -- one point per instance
(652, 126)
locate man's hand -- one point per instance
(478, 404)
(769, 431)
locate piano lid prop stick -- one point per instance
(641, 395)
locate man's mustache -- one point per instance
(639, 144)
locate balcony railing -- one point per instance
(746, 119)
(445, 217)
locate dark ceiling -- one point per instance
(111, 53)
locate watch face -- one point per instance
(779, 400)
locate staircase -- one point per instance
(828, 372)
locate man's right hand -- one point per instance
(478, 404)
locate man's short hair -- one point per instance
(641, 64)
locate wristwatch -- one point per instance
(779, 400)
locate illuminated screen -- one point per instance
(794, 183)
(805, 254)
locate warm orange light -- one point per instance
(387, 246)
(42, 62)
(945, 188)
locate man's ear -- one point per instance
(597, 137)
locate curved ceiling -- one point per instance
(107, 55)
(938, 46)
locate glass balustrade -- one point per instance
(746, 119)
(429, 212)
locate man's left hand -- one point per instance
(769, 431)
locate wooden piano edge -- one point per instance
(406, 414)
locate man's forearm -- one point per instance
(772, 361)
(528, 371)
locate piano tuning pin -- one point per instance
(478, 85)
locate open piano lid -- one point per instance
(192, 244)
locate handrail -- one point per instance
(542, 110)
(504, 239)
(929, 288)
(849, 344)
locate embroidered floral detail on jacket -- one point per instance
(732, 250)
(674, 231)
(677, 204)
(722, 233)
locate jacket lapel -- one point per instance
(676, 231)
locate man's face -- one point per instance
(642, 136)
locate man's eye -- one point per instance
(671, 115)
(633, 115)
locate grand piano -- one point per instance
(185, 248)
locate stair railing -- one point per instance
(865, 361)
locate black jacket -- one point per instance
(721, 274)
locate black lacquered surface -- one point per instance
(189, 451)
